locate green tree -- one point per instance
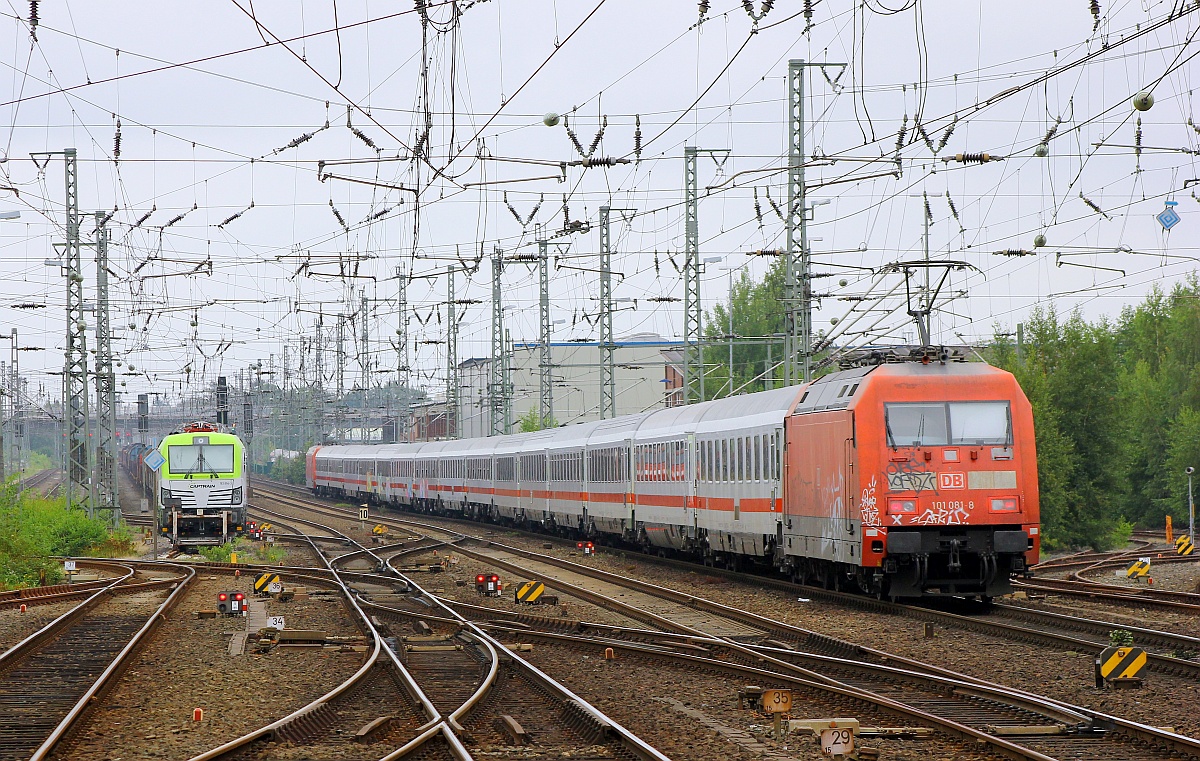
(288, 469)
(1068, 369)
(759, 321)
(532, 421)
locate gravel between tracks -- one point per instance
(1174, 576)
(1058, 673)
(149, 713)
(693, 716)
(16, 626)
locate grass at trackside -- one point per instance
(34, 529)
(247, 552)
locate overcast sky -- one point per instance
(212, 109)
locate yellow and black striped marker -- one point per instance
(1184, 545)
(530, 592)
(263, 583)
(264, 526)
(379, 530)
(1139, 569)
(1121, 662)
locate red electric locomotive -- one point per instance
(911, 479)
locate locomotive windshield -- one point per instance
(200, 458)
(917, 424)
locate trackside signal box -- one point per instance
(231, 603)
(588, 548)
(488, 584)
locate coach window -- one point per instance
(752, 453)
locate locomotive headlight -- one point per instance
(237, 495)
(902, 506)
(1004, 504)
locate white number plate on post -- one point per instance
(68, 565)
(275, 622)
(837, 741)
(275, 587)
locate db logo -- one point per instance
(952, 481)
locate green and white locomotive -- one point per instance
(202, 486)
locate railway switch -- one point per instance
(231, 603)
(488, 584)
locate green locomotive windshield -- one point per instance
(927, 424)
(200, 458)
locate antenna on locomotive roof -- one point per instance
(920, 308)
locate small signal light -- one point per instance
(480, 579)
(1004, 504)
(222, 597)
(239, 596)
(579, 545)
(902, 506)
(495, 577)
(590, 544)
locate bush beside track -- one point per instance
(33, 530)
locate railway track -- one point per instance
(1023, 624)
(49, 679)
(447, 678)
(1104, 736)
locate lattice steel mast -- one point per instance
(546, 380)
(496, 367)
(78, 485)
(106, 385)
(693, 312)
(451, 359)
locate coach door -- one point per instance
(628, 485)
(690, 513)
(775, 458)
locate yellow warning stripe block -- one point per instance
(1139, 568)
(1122, 662)
(530, 591)
(1184, 545)
(265, 580)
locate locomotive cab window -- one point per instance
(924, 424)
(200, 458)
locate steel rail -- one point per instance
(51, 630)
(414, 689)
(1158, 662)
(631, 741)
(110, 674)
